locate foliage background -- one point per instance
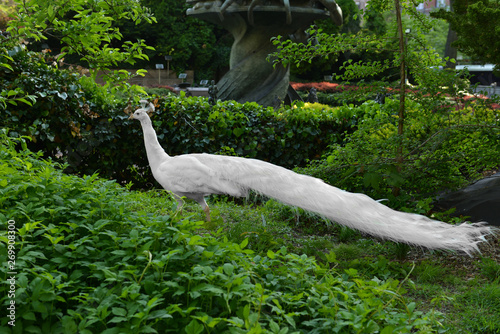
(478, 41)
(96, 257)
(76, 121)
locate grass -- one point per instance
(480, 309)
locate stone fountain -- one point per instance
(251, 77)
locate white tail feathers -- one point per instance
(356, 211)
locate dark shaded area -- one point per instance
(480, 201)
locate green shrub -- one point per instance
(72, 116)
(85, 263)
(380, 267)
(442, 149)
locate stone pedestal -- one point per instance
(251, 77)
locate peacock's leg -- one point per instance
(207, 213)
(180, 204)
(201, 201)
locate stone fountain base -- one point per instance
(251, 76)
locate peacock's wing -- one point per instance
(187, 173)
(263, 177)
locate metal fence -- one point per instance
(487, 90)
(154, 78)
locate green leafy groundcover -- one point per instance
(87, 263)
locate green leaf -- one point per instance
(274, 326)
(22, 99)
(228, 268)
(29, 316)
(388, 330)
(118, 319)
(69, 324)
(50, 13)
(194, 327)
(331, 257)
(119, 311)
(371, 327)
(411, 307)
(244, 243)
(238, 131)
(372, 179)
(290, 320)
(271, 254)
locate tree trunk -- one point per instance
(450, 51)
(402, 91)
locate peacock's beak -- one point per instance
(131, 116)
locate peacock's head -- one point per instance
(143, 112)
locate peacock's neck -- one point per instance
(155, 152)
